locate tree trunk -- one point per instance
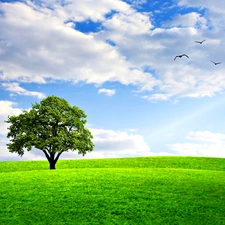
(52, 164)
(51, 160)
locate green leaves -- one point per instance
(52, 126)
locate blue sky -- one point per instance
(115, 60)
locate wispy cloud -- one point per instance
(15, 88)
(108, 92)
(201, 143)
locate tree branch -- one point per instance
(46, 154)
(57, 157)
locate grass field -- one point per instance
(144, 190)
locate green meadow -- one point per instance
(142, 190)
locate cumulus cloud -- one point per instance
(41, 46)
(113, 144)
(108, 92)
(39, 42)
(15, 88)
(108, 143)
(5, 155)
(78, 11)
(215, 11)
(129, 22)
(156, 49)
(201, 143)
(7, 109)
(118, 141)
(192, 19)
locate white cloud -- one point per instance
(37, 44)
(119, 143)
(131, 130)
(129, 22)
(7, 109)
(108, 144)
(15, 88)
(215, 11)
(5, 155)
(192, 19)
(108, 92)
(42, 46)
(206, 136)
(137, 3)
(156, 49)
(156, 97)
(83, 10)
(201, 143)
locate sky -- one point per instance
(115, 60)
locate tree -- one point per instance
(52, 126)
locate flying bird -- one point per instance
(200, 42)
(181, 56)
(215, 63)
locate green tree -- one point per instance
(52, 126)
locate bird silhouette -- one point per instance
(200, 42)
(215, 63)
(181, 56)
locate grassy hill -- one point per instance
(143, 190)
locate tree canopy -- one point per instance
(52, 126)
